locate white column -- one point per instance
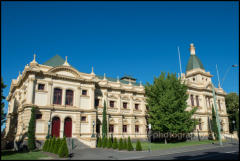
(30, 90)
(61, 127)
(63, 96)
(50, 93)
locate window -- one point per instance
(84, 92)
(83, 118)
(192, 100)
(111, 103)
(124, 105)
(136, 106)
(200, 124)
(193, 79)
(219, 105)
(41, 86)
(38, 116)
(136, 128)
(197, 101)
(96, 102)
(124, 128)
(57, 96)
(69, 97)
(111, 128)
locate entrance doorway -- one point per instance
(56, 127)
(68, 127)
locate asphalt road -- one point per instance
(218, 153)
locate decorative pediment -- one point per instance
(125, 98)
(112, 96)
(209, 86)
(65, 70)
(111, 121)
(125, 121)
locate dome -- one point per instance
(194, 62)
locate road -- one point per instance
(218, 153)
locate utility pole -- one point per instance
(217, 116)
(180, 62)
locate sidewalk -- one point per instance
(110, 154)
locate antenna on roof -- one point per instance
(180, 62)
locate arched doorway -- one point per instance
(68, 127)
(56, 126)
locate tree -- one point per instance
(45, 145)
(104, 122)
(99, 144)
(125, 145)
(237, 122)
(232, 106)
(109, 143)
(138, 146)
(31, 130)
(115, 143)
(3, 115)
(53, 145)
(130, 147)
(120, 145)
(105, 142)
(63, 151)
(49, 144)
(57, 145)
(167, 102)
(214, 124)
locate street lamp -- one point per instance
(233, 125)
(49, 123)
(149, 137)
(93, 135)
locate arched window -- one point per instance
(192, 100)
(57, 99)
(197, 101)
(69, 97)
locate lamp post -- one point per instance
(93, 135)
(149, 137)
(233, 125)
(49, 123)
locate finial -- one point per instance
(34, 60)
(66, 63)
(92, 70)
(192, 49)
(104, 78)
(117, 78)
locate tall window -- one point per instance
(197, 101)
(136, 128)
(84, 92)
(136, 106)
(219, 106)
(192, 100)
(124, 105)
(200, 124)
(111, 128)
(96, 102)
(41, 87)
(111, 103)
(124, 128)
(57, 96)
(69, 97)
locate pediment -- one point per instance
(112, 96)
(65, 70)
(209, 86)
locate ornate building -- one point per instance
(70, 102)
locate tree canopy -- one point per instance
(3, 115)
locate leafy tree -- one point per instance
(130, 147)
(99, 144)
(115, 143)
(125, 145)
(31, 130)
(237, 122)
(104, 122)
(214, 124)
(232, 106)
(57, 145)
(3, 115)
(120, 145)
(63, 151)
(167, 102)
(109, 143)
(138, 146)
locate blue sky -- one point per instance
(117, 38)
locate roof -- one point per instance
(194, 62)
(55, 61)
(128, 77)
(115, 80)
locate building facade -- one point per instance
(70, 103)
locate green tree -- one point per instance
(237, 122)
(63, 151)
(120, 145)
(109, 143)
(130, 147)
(99, 144)
(125, 145)
(105, 142)
(232, 106)
(214, 124)
(31, 130)
(115, 143)
(53, 144)
(3, 115)
(138, 146)
(57, 145)
(167, 102)
(104, 122)
(45, 145)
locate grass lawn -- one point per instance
(158, 146)
(11, 155)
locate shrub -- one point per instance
(138, 146)
(45, 145)
(115, 143)
(109, 143)
(31, 130)
(99, 143)
(120, 145)
(125, 144)
(53, 145)
(63, 151)
(130, 147)
(105, 140)
(57, 145)
(49, 144)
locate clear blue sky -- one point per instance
(117, 38)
